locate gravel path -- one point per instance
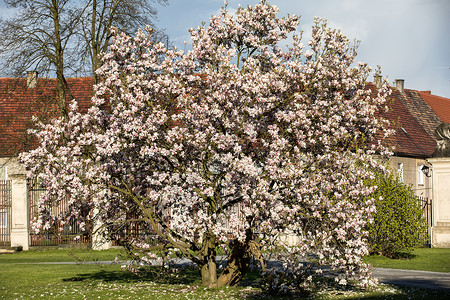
(421, 279)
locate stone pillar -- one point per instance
(440, 230)
(99, 242)
(20, 234)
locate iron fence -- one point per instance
(68, 233)
(426, 204)
(5, 212)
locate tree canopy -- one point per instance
(237, 144)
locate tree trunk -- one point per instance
(62, 86)
(209, 274)
(95, 42)
(209, 268)
(238, 261)
(237, 265)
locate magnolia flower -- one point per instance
(309, 54)
(206, 145)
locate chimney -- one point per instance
(400, 85)
(32, 79)
(377, 81)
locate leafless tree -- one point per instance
(65, 37)
(101, 15)
(37, 38)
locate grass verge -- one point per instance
(61, 255)
(424, 259)
(22, 276)
(28, 281)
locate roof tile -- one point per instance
(414, 115)
(440, 105)
(411, 138)
(18, 104)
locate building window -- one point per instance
(420, 175)
(400, 171)
(3, 173)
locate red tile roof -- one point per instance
(440, 105)
(421, 110)
(412, 114)
(410, 139)
(18, 104)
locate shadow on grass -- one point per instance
(403, 255)
(173, 275)
(396, 255)
(189, 276)
(153, 274)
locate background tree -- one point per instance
(38, 38)
(100, 16)
(399, 224)
(235, 144)
(64, 37)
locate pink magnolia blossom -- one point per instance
(235, 144)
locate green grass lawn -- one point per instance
(26, 275)
(425, 259)
(61, 255)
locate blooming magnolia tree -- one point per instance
(236, 144)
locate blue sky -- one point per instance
(409, 39)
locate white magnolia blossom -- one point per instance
(235, 142)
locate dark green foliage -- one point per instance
(399, 223)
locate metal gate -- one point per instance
(5, 212)
(426, 205)
(67, 234)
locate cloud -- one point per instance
(409, 38)
(6, 12)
